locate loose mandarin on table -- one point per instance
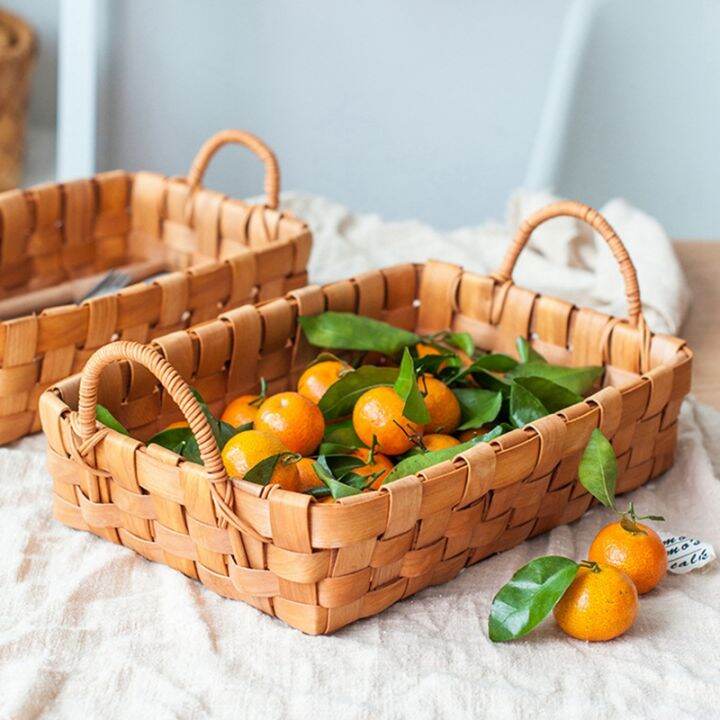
(599, 605)
(640, 555)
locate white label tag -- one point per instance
(686, 553)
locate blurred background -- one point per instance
(411, 108)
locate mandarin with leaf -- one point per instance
(294, 419)
(378, 417)
(316, 380)
(246, 449)
(307, 477)
(442, 405)
(600, 604)
(375, 462)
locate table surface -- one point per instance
(701, 261)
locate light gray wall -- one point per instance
(646, 118)
(411, 108)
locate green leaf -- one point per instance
(461, 340)
(342, 395)
(524, 406)
(318, 492)
(413, 464)
(173, 439)
(579, 380)
(329, 448)
(342, 433)
(407, 388)
(191, 450)
(361, 482)
(491, 382)
(221, 430)
(342, 463)
(431, 363)
(526, 353)
(553, 396)
(529, 597)
(478, 407)
(337, 489)
(104, 416)
(598, 469)
(494, 362)
(261, 473)
(348, 331)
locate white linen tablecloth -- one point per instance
(88, 629)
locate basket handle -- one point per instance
(593, 218)
(169, 378)
(250, 141)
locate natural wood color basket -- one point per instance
(18, 48)
(321, 566)
(225, 252)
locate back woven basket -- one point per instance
(17, 57)
(223, 252)
(320, 566)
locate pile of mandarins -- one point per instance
(291, 422)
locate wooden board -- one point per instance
(701, 262)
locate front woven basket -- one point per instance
(320, 566)
(17, 57)
(223, 252)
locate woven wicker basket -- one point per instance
(224, 253)
(17, 56)
(321, 566)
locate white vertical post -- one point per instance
(77, 88)
(546, 154)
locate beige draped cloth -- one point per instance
(91, 630)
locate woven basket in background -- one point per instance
(222, 251)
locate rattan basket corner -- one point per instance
(322, 566)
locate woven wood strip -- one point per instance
(321, 566)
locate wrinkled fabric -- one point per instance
(564, 257)
(89, 629)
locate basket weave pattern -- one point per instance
(224, 252)
(17, 57)
(321, 566)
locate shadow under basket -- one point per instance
(320, 566)
(220, 253)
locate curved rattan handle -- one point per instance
(171, 381)
(250, 141)
(593, 218)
